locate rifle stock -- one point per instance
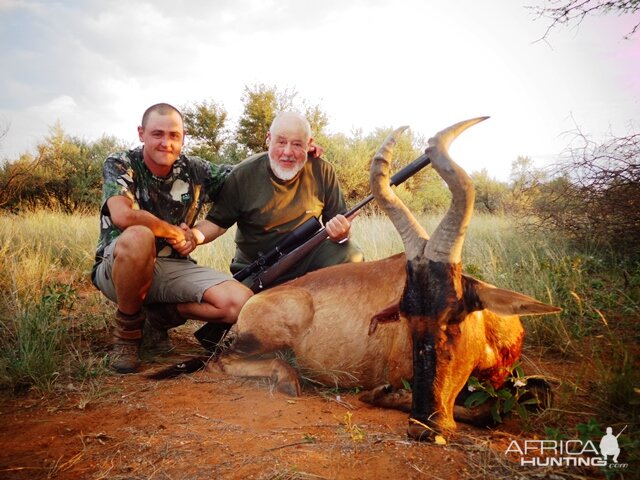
(275, 271)
(296, 238)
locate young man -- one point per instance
(151, 197)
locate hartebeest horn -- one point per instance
(446, 242)
(413, 235)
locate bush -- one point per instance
(594, 197)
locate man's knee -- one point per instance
(239, 295)
(229, 297)
(135, 242)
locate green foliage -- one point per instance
(554, 434)
(406, 384)
(593, 194)
(318, 120)
(14, 177)
(32, 346)
(205, 126)
(506, 399)
(66, 173)
(525, 181)
(592, 430)
(619, 385)
(589, 285)
(42, 327)
(260, 108)
(351, 158)
(233, 153)
(491, 195)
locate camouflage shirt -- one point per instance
(176, 198)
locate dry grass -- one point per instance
(41, 249)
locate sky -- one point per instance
(96, 65)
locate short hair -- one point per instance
(162, 109)
(297, 116)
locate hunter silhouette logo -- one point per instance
(609, 445)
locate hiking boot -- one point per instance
(127, 336)
(125, 357)
(160, 317)
(155, 339)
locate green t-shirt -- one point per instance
(175, 198)
(266, 208)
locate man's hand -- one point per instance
(338, 228)
(315, 151)
(182, 240)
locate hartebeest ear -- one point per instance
(479, 295)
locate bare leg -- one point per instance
(220, 303)
(134, 258)
(133, 262)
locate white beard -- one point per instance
(282, 173)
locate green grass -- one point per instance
(53, 323)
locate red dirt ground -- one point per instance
(209, 426)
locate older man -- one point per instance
(151, 196)
(270, 194)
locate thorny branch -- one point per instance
(566, 12)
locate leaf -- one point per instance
(504, 394)
(440, 440)
(519, 372)
(490, 390)
(522, 412)
(406, 385)
(476, 398)
(474, 383)
(508, 404)
(495, 412)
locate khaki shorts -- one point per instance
(175, 280)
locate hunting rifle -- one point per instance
(267, 268)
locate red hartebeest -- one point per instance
(336, 319)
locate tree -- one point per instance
(351, 156)
(318, 121)
(598, 198)
(66, 172)
(566, 12)
(14, 176)
(491, 195)
(525, 181)
(260, 107)
(205, 126)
